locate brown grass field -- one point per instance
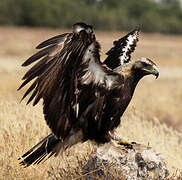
(153, 117)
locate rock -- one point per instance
(118, 162)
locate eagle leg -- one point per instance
(120, 141)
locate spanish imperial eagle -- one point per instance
(83, 98)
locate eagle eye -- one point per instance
(145, 64)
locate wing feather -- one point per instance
(120, 53)
(55, 46)
(36, 68)
(29, 89)
(38, 55)
(54, 40)
(33, 95)
(54, 78)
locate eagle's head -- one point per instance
(145, 66)
(138, 68)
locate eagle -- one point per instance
(83, 97)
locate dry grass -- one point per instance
(154, 115)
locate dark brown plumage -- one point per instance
(83, 99)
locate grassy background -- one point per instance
(153, 117)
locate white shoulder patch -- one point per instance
(130, 41)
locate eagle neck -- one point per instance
(131, 83)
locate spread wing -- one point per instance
(48, 55)
(55, 78)
(120, 53)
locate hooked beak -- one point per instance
(154, 70)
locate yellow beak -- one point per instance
(153, 71)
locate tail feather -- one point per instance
(45, 148)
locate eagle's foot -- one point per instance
(121, 142)
(127, 144)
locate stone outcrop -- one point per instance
(118, 162)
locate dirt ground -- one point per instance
(153, 117)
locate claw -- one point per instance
(126, 144)
(122, 142)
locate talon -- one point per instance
(126, 144)
(121, 141)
